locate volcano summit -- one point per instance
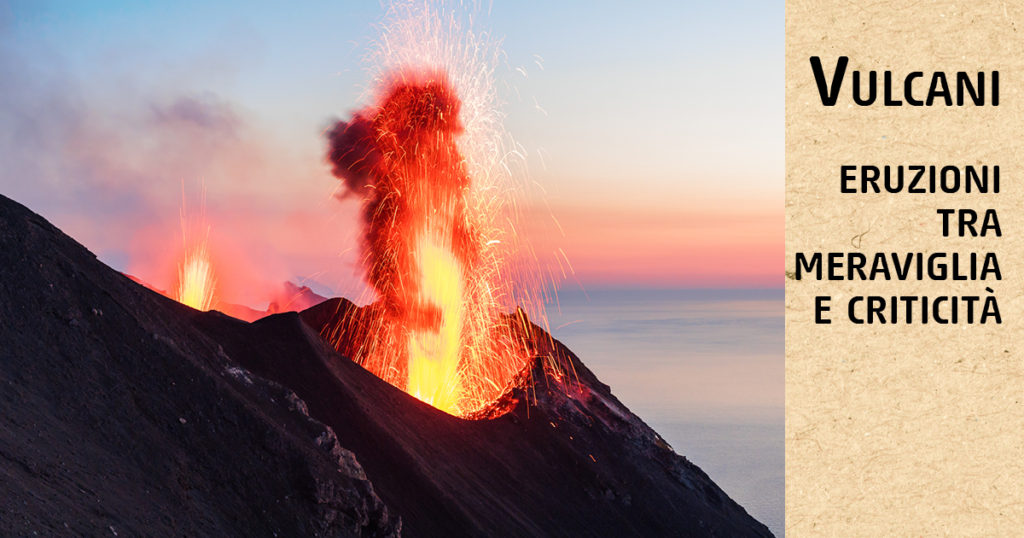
(127, 413)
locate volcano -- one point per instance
(127, 413)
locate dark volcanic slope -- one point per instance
(561, 462)
(119, 417)
(91, 434)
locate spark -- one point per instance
(196, 281)
(197, 284)
(439, 177)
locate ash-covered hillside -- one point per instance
(127, 413)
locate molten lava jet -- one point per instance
(436, 330)
(196, 282)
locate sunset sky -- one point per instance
(654, 134)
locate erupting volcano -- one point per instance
(128, 412)
(436, 331)
(437, 178)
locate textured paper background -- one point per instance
(895, 429)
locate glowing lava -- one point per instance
(436, 331)
(196, 282)
(434, 169)
(434, 350)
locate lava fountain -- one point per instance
(425, 158)
(436, 330)
(196, 282)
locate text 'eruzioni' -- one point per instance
(982, 267)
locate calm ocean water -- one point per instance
(704, 368)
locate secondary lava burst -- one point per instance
(196, 284)
(437, 330)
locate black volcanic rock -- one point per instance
(557, 455)
(125, 411)
(119, 417)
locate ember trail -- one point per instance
(436, 330)
(196, 284)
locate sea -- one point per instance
(704, 368)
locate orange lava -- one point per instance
(437, 330)
(197, 284)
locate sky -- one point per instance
(652, 135)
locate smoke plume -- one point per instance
(400, 157)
